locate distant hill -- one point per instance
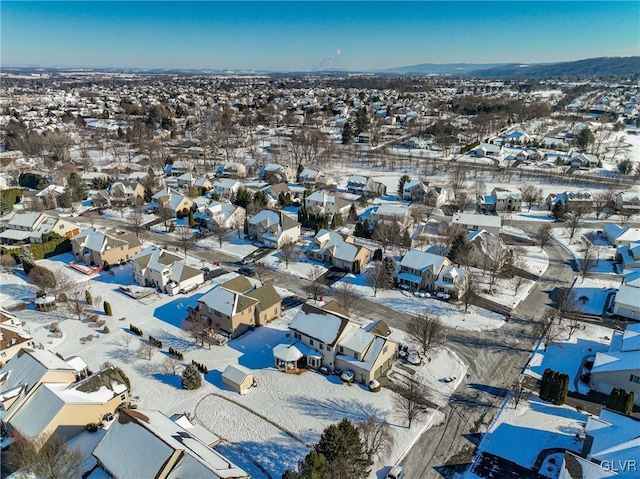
(442, 68)
(602, 67)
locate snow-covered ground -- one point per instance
(566, 355)
(520, 434)
(451, 315)
(275, 423)
(604, 252)
(592, 293)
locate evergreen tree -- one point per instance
(392, 270)
(191, 378)
(107, 309)
(583, 139)
(88, 298)
(459, 250)
(559, 211)
(76, 187)
(192, 221)
(362, 229)
(377, 254)
(362, 121)
(353, 214)
(343, 449)
(404, 179)
(347, 133)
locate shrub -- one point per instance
(107, 309)
(175, 353)
(135, 330)
(201, 367)
(105, 330)
(554, 387)
(92, 427)
(620, 400)
(155, 342)
(191, 378)
(88, 297)
(93, 318)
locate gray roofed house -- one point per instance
(165, 270)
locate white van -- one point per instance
(396, 472)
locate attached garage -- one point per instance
(238, 378)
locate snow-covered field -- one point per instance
(520, 434)
(451, 315)
(275, 423)
(604, 252)
(566, 355)
(592, 294)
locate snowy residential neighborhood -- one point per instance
(230, 277)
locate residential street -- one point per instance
(495, 358)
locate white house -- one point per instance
(217, 214)
(621, 235)
(619, 366)
(627, 302)
(274, 228)
(226, 187)
(474, 222)
(390, 214)
(321, 202)
(31, 226)
(158, 268)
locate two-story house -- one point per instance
(158, 268)
(226, 187)
(501, 199)
(420, 270)
(174, 201)
(315, 180)
(391, 214)
(365, 186)
(325, 337)
(32, 226)
(93, 247)
(236, 306)
(333, 249)
(475, 222)
(274, 173)
(571, 200)
(232, 169)
(273, 228)
(220, 215)
(321, 202)
(628, 201)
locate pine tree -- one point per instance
(347, 133)
(191, 378)
(343, 449)
(88, 297)
(353, 214)
(105, 330)
(107, 309)
(377, 254)
(559, 210)
(192, 221)
(404, 179)
(459, 250)
(392, 270)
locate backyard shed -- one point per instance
(238, 378)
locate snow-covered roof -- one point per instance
(139, 444)
(629, 296)
(37, 412)
(357, 340)
(323, 327)
(631, 338)
(369, 358)
(421, 260)
(236, 373)
(479, 221)
(616, 437)
(76, 363)
(225, 301)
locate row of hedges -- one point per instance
(176, 354)
(554, 387)
(201, 367)
(155, 342)
(136, 330)
(54, 245)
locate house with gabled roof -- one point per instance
(321, 202)
(31, 226)
(186, 180)
(611, 449)
(12, 339)
(390, 214)
(619, 366)
(166, 271)
(324, 336)
(273, 228)
(220, 215)
(475, 222)
(628, 201)
(226, 187)
(236, 306)
(174, 201)
(334, 249)
(621, 235)
(232, 169)
(146, 444)
(95, 247)
(420, 270)
(274, 173)
(501, 199)
(365, 186)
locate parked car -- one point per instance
(337, 372)
(415, 359)
(347, 376)
(246, 271)
(396, 472)
(443, 296)
(324, 370)
(374, 385)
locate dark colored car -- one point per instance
(247, 271)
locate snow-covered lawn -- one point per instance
(604, 253)
(233, 245)
(275, 423)
(452, 315)
(592, 293)
(566, 355)
(300, 268)
(520, 434)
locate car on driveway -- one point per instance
(246, 271)
(396, 472)
(443, 296)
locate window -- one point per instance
(634, 379)
(329, 348)
(61, 227)
(123, 396)
(321, 346)
(355, 355)
(311, 342)
(341, 349)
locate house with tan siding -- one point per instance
(331, 248)
(94, 247)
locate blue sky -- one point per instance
(310, 35)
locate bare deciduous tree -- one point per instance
(346, 297)
(288, 252)
(43, 278)
(571, 326)
(551, 328)
(263, 272)
(146, 350)
(531, 195)
(171, 365)
(220, 233)
(601, 200)
(49, 457)
(377, 277)
(126, 339)
(165, 214)
(377, 437)
(574, 219)
(544, 235)
(315, 286)
(426, 330)
(470, 291)
(186, 238)
(409, 399)
(7, 262)
(589, 260)
(72, 295)
(136, 221)
(519, 391)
